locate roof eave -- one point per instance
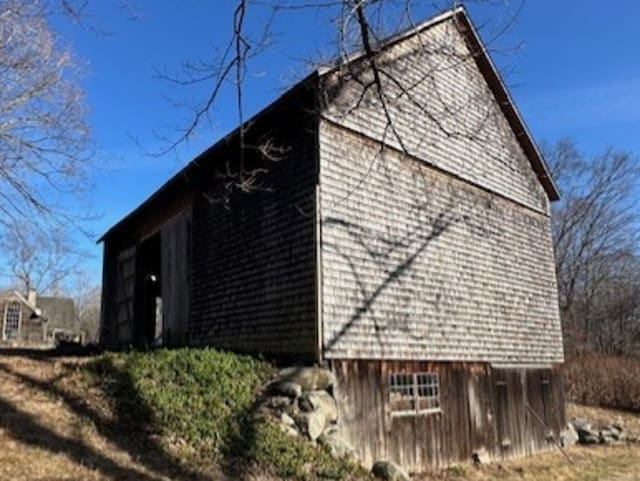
(208, 152)
(506, 103)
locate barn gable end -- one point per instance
(439, 310)
(446, 107)
(437, 246)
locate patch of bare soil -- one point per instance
(54, 427)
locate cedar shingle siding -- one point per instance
(419, 265)
(468, 137)
(420, 258)
(254, 282)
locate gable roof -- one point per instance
(20, 298)
(491, 75)
(59, 311)
(483, 61)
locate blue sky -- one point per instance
(575, 73)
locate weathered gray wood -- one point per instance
(124, 297)
(439, 71)
(176, 265)
(254, 271)
(467, 423)
(417, 264)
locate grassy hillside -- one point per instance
(201, 406)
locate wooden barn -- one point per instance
(406, 245)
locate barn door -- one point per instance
(502, 412)
(176, 265)
(122, 331)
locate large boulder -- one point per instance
(312, 423)
(388, 471)
(286, 388)
(320, 401)
(309, 378)
(569, 436)
(586, 433)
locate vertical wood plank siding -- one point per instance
(176, 265)
(143, 223)
(254, 270)
(482, 409)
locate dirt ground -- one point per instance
(54, 428)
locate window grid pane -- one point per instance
(414, 393)
(12, 321)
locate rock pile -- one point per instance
(582, 431)
(302, 401)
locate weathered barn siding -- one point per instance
(122, 248)
(175, 279)
(254, 271)
(503, 412)
(463, 130)
(418, 264)
(121, 325)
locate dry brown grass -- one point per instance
(596, 463)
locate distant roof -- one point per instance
(20, 298)
(59, 311)
(485, 65)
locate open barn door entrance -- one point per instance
(149, 301)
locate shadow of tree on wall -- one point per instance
(393, 255)
(423, 235)
(127, 430)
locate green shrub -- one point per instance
(201, 402)
(294, 458)
(195, 395)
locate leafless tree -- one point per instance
(86, 293)
(595, 229)
(361, 27)
(43, 128)
(43, 260)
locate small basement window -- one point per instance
(412, 394)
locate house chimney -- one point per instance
(32, 296)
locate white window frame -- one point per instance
(4, 321)
(415, 387)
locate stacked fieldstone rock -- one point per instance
(582, 431)
(302, 400)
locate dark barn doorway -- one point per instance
(148, 328)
